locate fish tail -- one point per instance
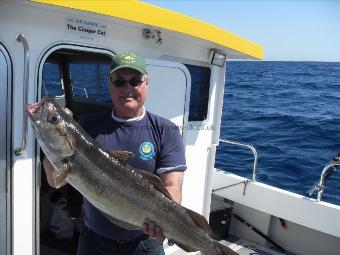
(219, 249)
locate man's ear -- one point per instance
(147, 81)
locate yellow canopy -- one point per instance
(159, 17)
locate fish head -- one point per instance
(53, 128)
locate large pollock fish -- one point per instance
(127, 196)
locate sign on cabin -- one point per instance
(85, 28)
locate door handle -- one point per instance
(21, 38)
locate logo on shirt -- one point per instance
(146, 151)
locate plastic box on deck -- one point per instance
(220, 217)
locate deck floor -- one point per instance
(244, 247)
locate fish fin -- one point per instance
(120, 223)
(199, 220)
(72, 141)
(155, 181)
(122, 156)
(60, 175)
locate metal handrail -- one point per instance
(249, 146)
(83, 89)
(327, 171)
(21, 38)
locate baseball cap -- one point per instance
(128, 60)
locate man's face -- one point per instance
(127, 100)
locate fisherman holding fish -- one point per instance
(120, 199)
(157, 147)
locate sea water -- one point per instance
(290, 112)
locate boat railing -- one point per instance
(327, 171)
(244, 145)
(46, 91)
(80, 89)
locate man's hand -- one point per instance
(154, 231)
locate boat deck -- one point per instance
(244, 247)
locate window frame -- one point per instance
(38, 87)
(6, 93)
(67, 46)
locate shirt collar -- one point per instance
(138, 118)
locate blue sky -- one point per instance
(296, 30)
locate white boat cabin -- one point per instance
(63, 49)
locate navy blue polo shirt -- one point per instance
(158, 148)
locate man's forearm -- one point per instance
(175, 192)
(173, 182)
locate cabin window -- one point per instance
(78, 80)
(199, 95)
(90, 80)
(51, 85)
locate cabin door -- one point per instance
(4, 151)
(169, 89)
(84, 89)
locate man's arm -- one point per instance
(173, 183)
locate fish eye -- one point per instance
(54, 119)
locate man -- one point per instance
(156, 144)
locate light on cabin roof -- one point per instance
(217, 58)
(154, 35)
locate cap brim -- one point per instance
(128, 66)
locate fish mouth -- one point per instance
(34, 111)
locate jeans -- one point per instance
(91, 243)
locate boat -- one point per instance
(63, 49)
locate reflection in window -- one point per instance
(199, 96)
(90, 81)
(51, 83)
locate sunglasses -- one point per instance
(121, 82)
